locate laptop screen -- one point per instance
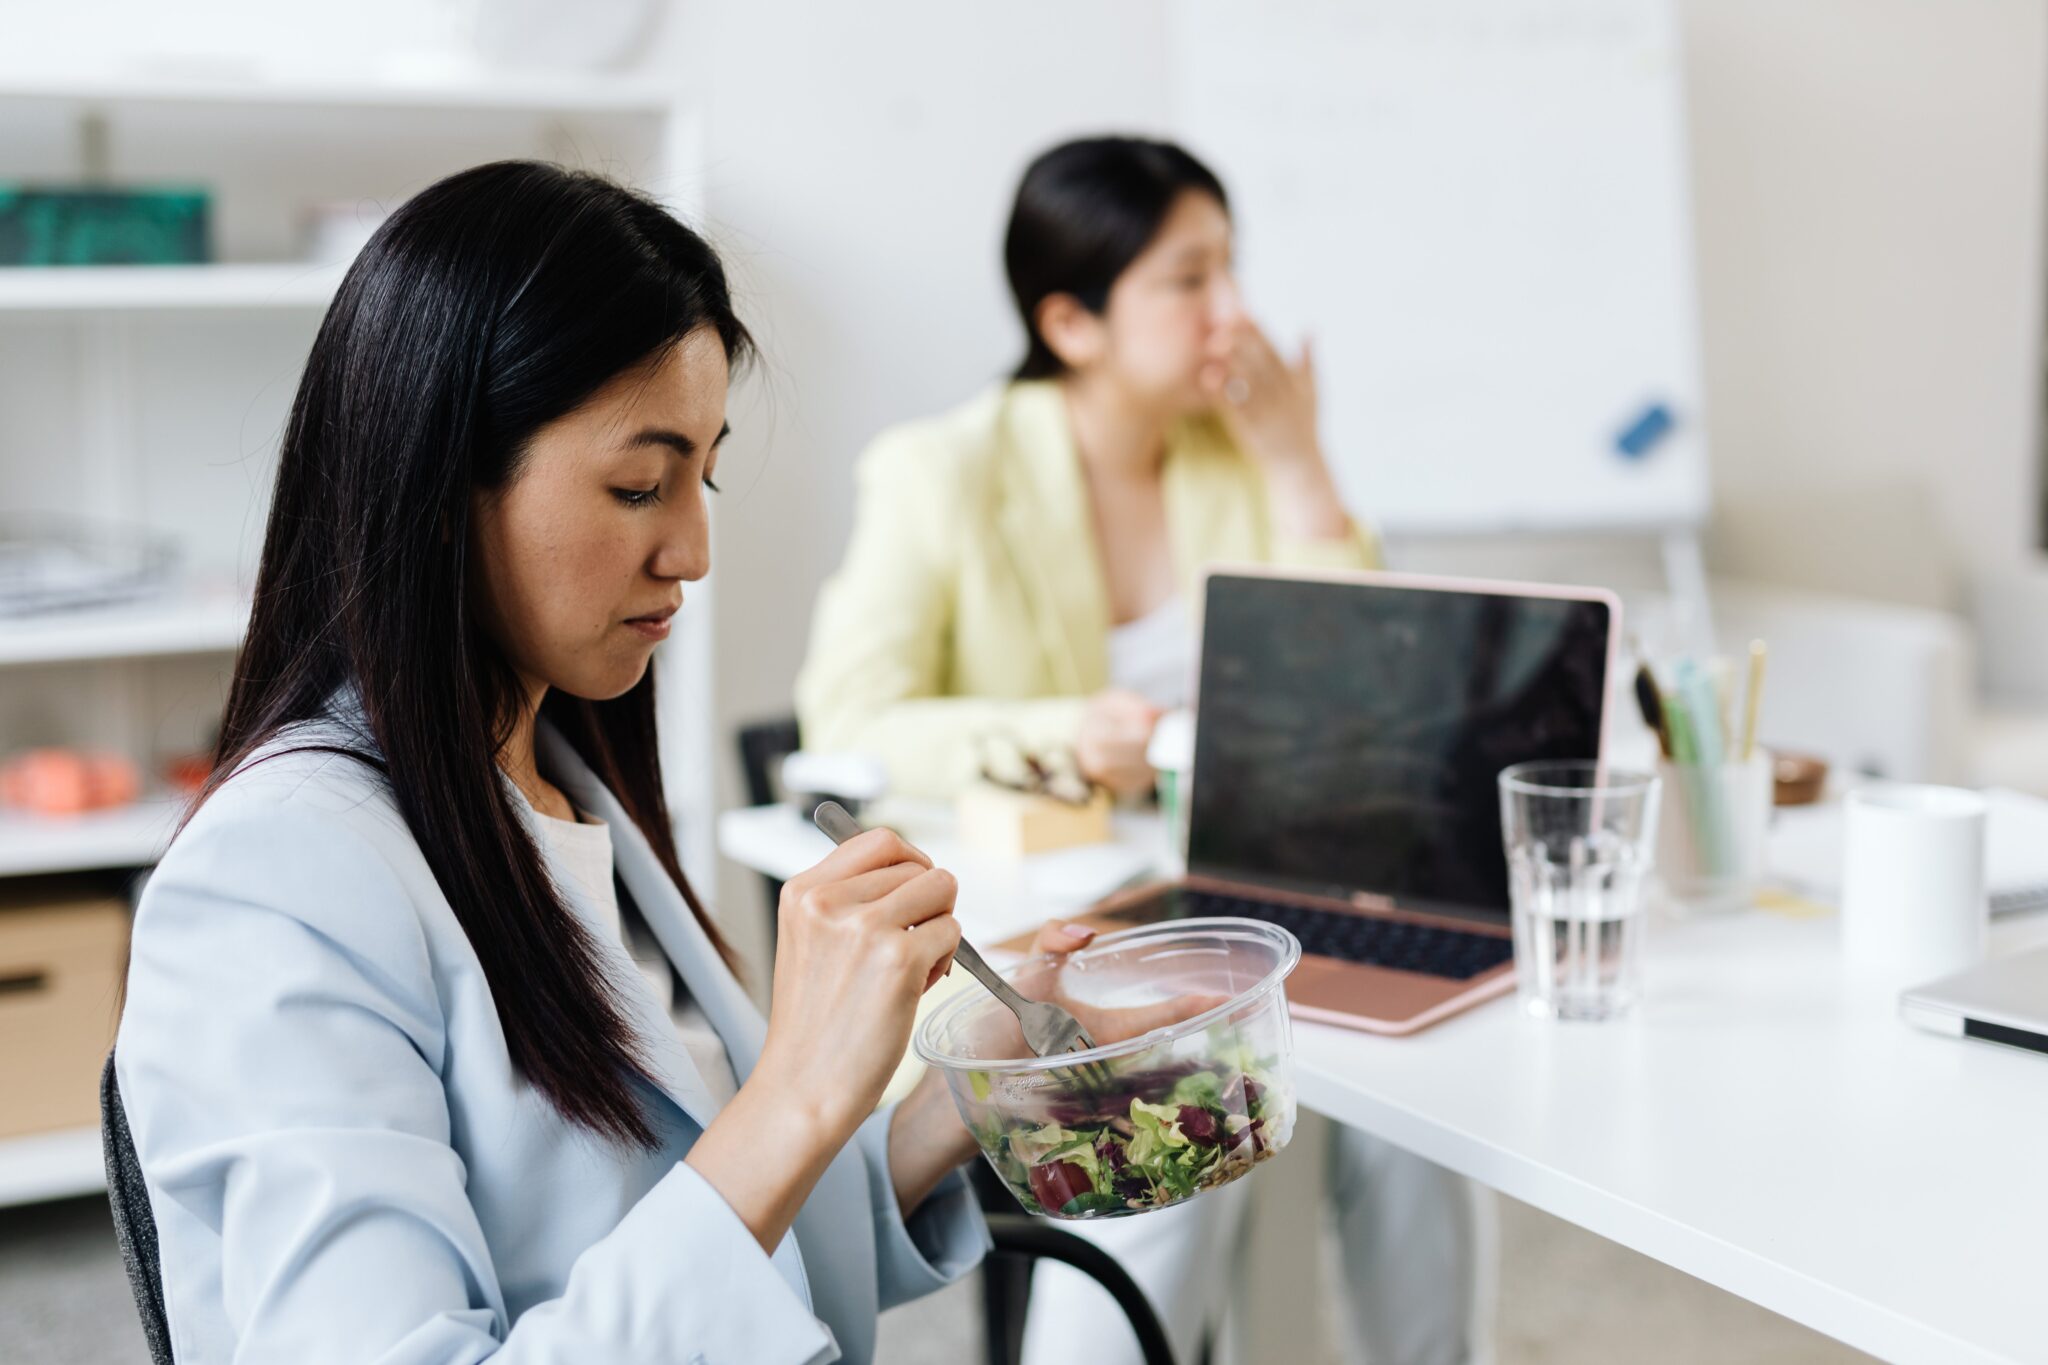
(1349, 735)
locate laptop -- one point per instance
(2003, 1001)
(1349, 733)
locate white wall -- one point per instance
(1868, 182)
(860, 161)
(1868, 185)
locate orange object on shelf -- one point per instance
(188, 772)
(68, 781)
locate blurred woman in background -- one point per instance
(1024, 564)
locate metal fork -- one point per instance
(1048, 1029)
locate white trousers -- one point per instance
(1415, 1278)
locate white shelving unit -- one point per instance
(150, 627)
(130, 836)
(168, 364)
(58, 1165)
(99, 289)
(509, 93)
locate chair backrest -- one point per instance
(1014, 1234)
(763, 745)
(1018, 1242)
(134, 1224)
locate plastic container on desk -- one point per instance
(1198, 1094)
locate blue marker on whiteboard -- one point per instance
(1639, 437)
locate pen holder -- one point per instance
(1710, 841)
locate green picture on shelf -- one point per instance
(59, 226)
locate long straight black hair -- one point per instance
(488, 305)
(1084, 211)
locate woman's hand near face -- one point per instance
(1269, 406)
(1110, 748)
(862, 935)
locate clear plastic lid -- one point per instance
(1168, 980)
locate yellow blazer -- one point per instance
(972, 601)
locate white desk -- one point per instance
(998, 897)
(1756, 1125)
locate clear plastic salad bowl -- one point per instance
(1196, 1085)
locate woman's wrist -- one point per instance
(817, 1117)
(765, 1152)
(927, 1141)
(1304, 500)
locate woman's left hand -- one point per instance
(1268, 404)
(1269, 407)
(926, 1137)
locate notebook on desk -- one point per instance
(1349, 733)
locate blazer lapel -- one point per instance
(661, 905)
(1213, 510)
(822, 1219)
(1046, 528)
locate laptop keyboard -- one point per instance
(1381, 942)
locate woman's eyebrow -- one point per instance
(675, 440)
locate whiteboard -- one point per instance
(1478, 211)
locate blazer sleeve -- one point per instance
(280, 1056)
(874, 679)
(1358, 550)
(944, 1237)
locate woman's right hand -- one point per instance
(862, 936)
(1110, 749)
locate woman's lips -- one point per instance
(652, 627)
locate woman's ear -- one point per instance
(1077, 336)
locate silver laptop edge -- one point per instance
(2003, 1001)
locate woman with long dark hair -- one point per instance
(399, 1091)
(1025, 565)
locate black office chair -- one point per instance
(1022, 1239)
(134, 1224)
(763, 746)
(1018, 1241)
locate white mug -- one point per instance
(1913, 896)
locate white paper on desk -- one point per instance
(1806, 845)
(1062, 884)
(1073, 877)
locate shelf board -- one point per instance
(516, 94)
(105, 288)
(146, 627)
(131, 836)
(59, 1165)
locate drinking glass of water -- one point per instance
(1580, 839)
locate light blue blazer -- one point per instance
(344, 1165)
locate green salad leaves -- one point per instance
(1151, 1139)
